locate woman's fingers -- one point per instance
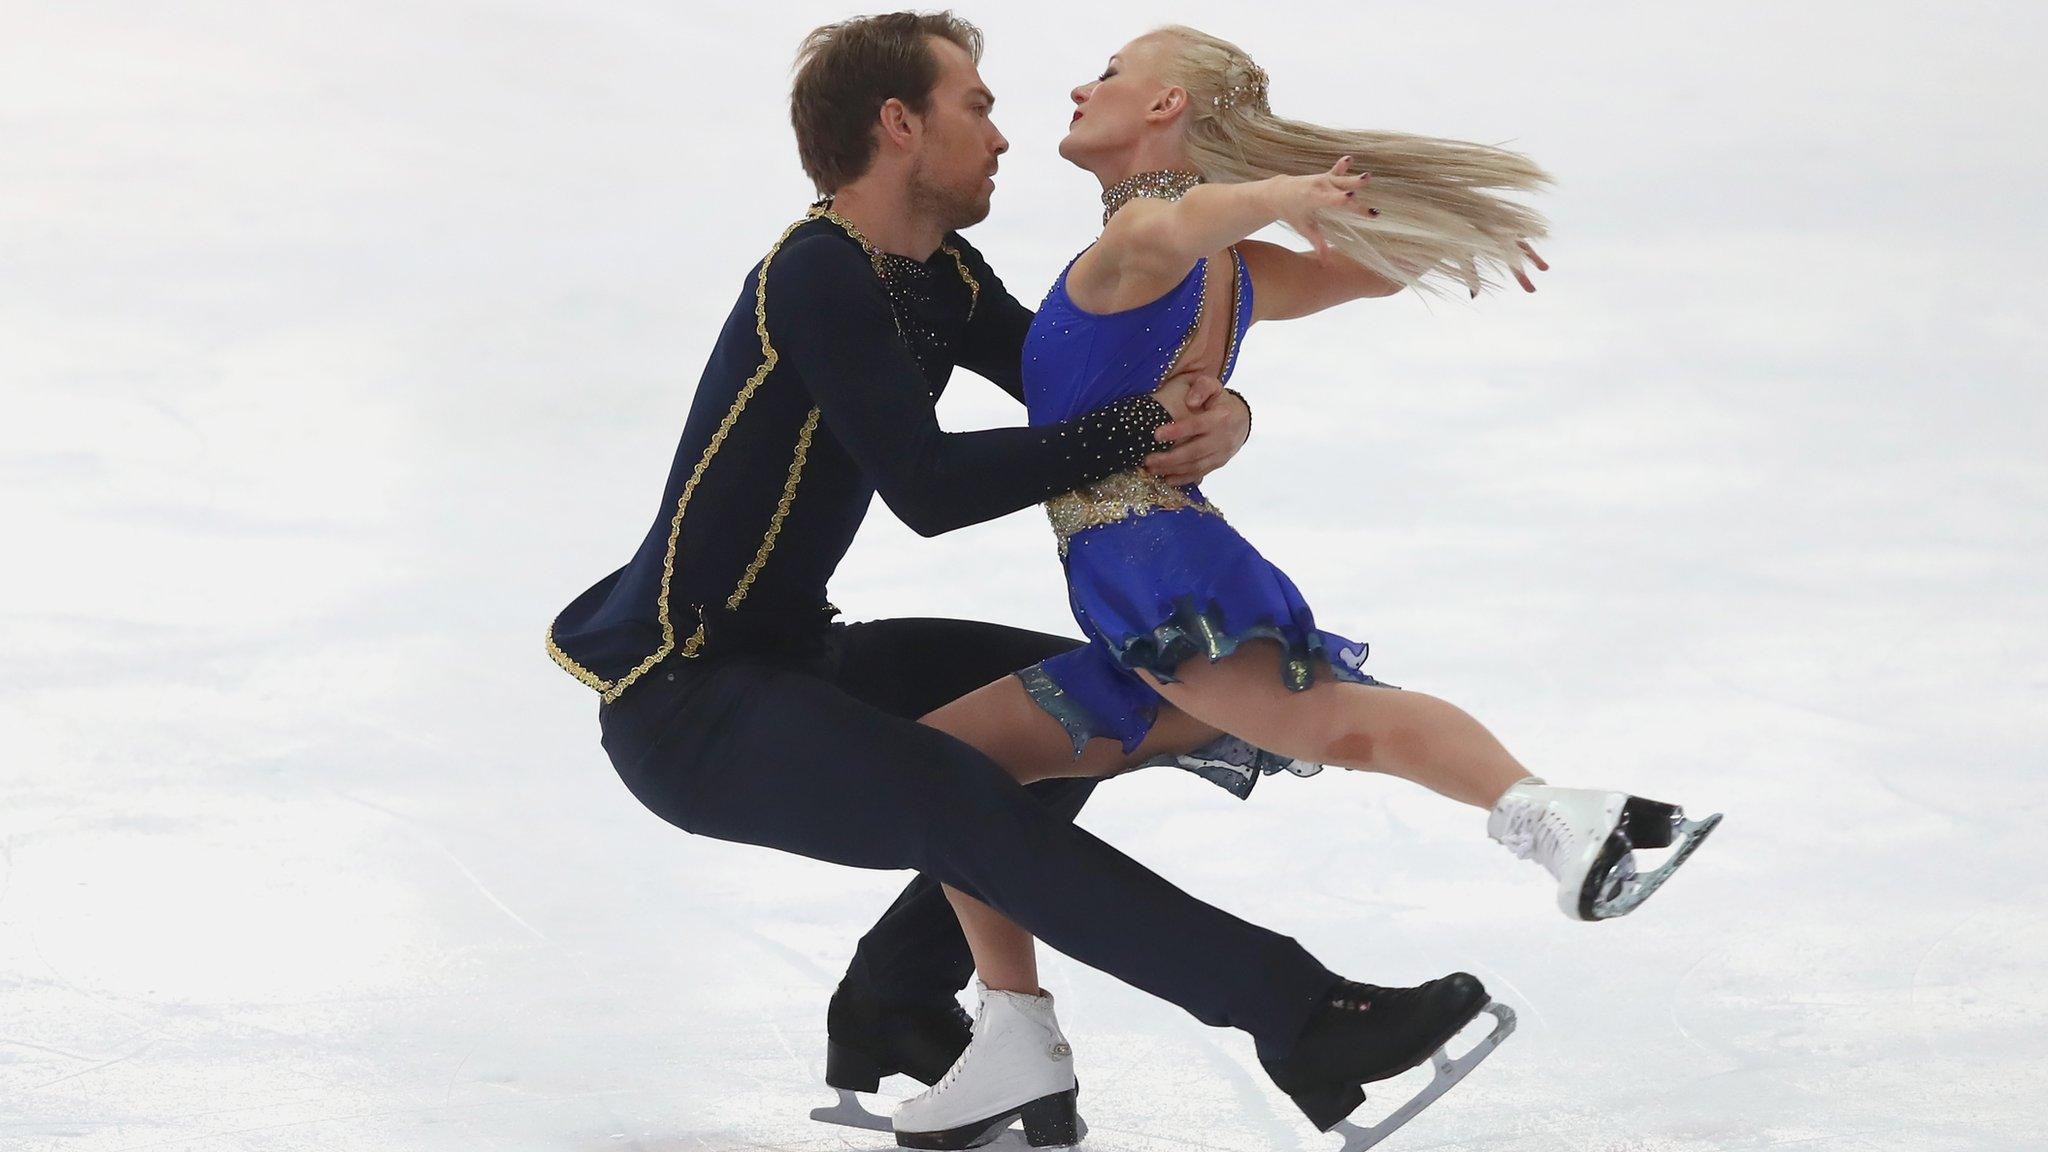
(1522, 277)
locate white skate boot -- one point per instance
(1017, 1065)
(1587, 838)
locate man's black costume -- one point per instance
(734, 707)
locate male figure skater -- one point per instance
(734, 707)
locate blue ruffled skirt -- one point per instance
(1154, 590)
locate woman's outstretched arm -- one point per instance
(1290, 284)
(1172, 234)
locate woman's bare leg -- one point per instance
(1005, 724)
(1400, 732)
(1571, 832)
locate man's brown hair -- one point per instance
(845, 72)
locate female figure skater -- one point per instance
(1191, 633)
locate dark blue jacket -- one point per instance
(820, 393)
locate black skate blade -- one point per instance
(1690, 835)
(1613, 867)
(851, 1113)
(1449, 1071)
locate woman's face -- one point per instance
(1113, 112)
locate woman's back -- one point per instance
(1076, 361)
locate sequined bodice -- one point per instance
(1076, 361)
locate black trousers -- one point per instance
(820, 754)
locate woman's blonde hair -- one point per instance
(1441, 213)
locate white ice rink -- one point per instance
(342, 344)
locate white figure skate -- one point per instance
(1587, 839)
(1018, 1065)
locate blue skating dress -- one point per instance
(1154, 573)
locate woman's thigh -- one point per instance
(1001, 721)
(1330, 722)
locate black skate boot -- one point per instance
(866, 1040)
(1364, 1033)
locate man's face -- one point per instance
(952, 175)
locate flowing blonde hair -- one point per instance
(1441, 215)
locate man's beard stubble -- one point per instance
(957, 209)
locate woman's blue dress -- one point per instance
(1152, 590)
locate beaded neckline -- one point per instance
(1160, 183)
(898, 272)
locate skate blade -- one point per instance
(1448, 1073)
(852, 1113)
(1636, 889)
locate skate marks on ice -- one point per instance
(1937, 1017)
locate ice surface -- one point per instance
(342, 344)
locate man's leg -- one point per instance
(769, 756)
(909, 667)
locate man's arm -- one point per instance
(828, 317)
(993, 345)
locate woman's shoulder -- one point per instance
(1126, 290)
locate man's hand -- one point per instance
(1209, 426)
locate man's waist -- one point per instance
(760, 627)
(609, 643)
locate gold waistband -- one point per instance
(1114, 498)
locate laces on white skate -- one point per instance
(953, 1073)
(1538, 830)
(1017, 1064)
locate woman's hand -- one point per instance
(1522, 277)
(1209, 426)
(1297, 199)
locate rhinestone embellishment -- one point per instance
(1160, 183)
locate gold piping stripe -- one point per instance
(973, 285)
(796, 470)
(611, 689)
(875, 257)
(571, 666)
